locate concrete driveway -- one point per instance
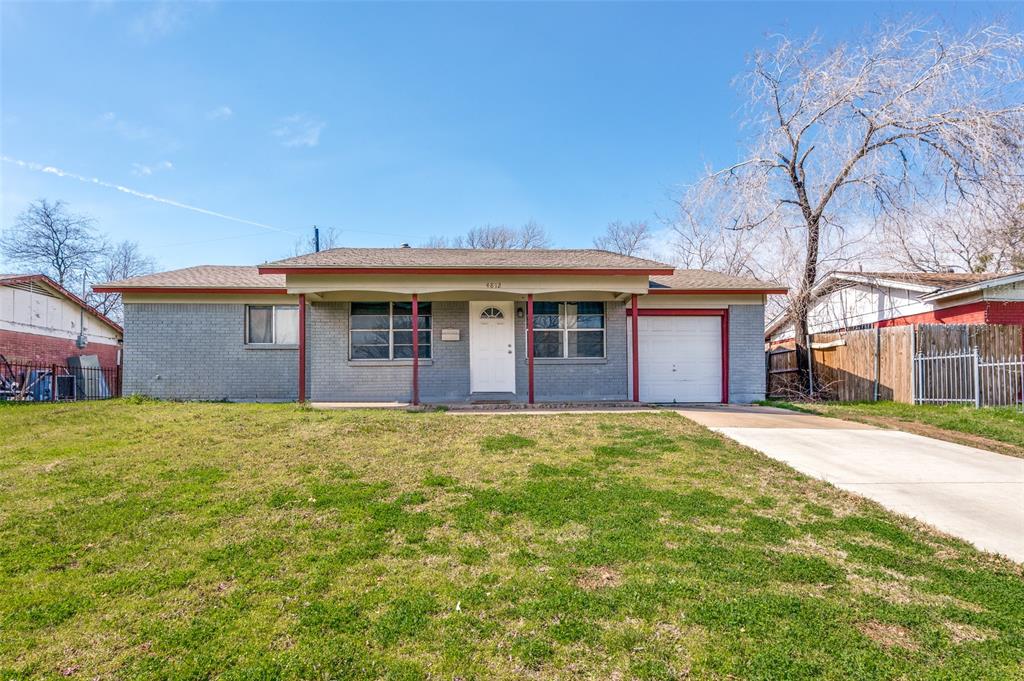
(967, 492)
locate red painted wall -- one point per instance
(985, 312)
(37, 349)
(1005, 313)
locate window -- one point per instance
(272, 324)
(568, 330)
(384, 331)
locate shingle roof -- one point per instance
(939, 280)
(202, 276)
(457, 258)
(704, 280)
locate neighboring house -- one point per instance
(41, 322)
(445, 325)
(846, 301)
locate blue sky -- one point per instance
(389, 122)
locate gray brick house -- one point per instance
(413, 325)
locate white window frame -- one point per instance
(273, 325)
(391, 334)
(563, 327)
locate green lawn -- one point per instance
(999, 428)
(143, 540)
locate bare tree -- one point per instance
(48, 238)
(844, 135)
(123, 261)
(530, 235)
(330, 237)
(960, 238)
(632, 238)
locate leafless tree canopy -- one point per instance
(987, 238)
(632, 238)
(121, 262)
(48, 238)
(330, 237)
(530, 235)
(843, 138)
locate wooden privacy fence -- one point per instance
(879, 363)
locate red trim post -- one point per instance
(415, 349)
(529, 346)
(725, 357)
(302, 348)
(636, 349)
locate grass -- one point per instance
(144, 540)
(998, 428)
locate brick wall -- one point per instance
(32, 348)
(197, 351)
(445, 377)
(577, 379)
(746, 353)
(1005, 312)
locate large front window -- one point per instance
(272, 324)
(384, 331)
(568, 330)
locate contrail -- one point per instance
(39, 167)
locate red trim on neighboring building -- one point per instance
(415, 349)
(302, 348)
(190, 289)
(529, 345)
(969, 313)
(461, 270)
(713, 291)
(636, 348)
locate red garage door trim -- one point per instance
(722, 313)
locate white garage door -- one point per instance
(680, 359)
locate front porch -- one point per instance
(417, 349)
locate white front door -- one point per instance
(492, 356)
(680, 359)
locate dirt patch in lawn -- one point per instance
(965, 633)
(599, 578)
(888, 635)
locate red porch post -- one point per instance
(636, 349)
(529, 345)
(415, 349)
(302, 348)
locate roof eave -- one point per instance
(525, 271)
(974, 287)
(250, 290)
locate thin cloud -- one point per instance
(299, 130)
(51, 170)
(160, 19)
(132, 132)
(221, 113)
(144, 170)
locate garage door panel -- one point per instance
(680, 359)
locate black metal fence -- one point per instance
(57, 382)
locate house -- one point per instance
(445, 325)
(847, 301)
(41, 322)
